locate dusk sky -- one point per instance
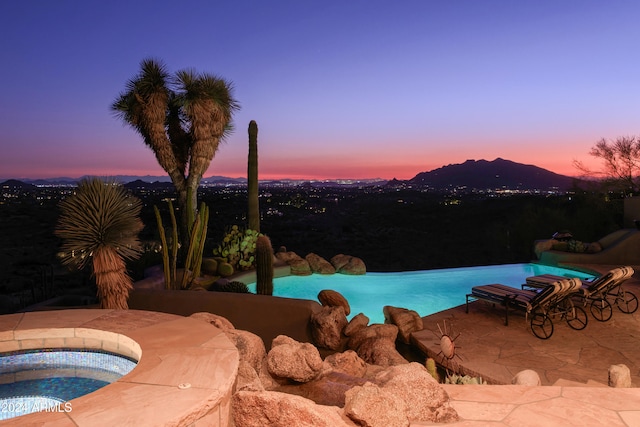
(339, 89)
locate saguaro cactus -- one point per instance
(253, 213)
(264, 266)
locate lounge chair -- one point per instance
(599, 291)
(553, 300)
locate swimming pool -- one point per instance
(35, 380)
(427, 291)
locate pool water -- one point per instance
(47, 379)
(427, 291)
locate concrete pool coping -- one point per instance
(185, 374)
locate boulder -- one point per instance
(247, 379)
(300, 268)
(527, 377)
(250, 347)
(218, 321)
(319, 265)
(331, 298)
(424, 397)
(288, 358)
(348, 363)
(275, 409)
(357, 322)
(326, 327)
(327, 390)
(347, 264)
(371, 406)
(377, 331)
(287, 257)
(380, 352)
(619, 376)
(407, 321)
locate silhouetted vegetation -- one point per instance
(391, 230)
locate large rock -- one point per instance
(218, 321)
(347, 363)
(357, 322)
(287, 257)
(299, 266)
(288, 358)
(331, 298)
(380, 352)
(425, 399)
(326, 327)
(347, 264)
(377, 331)
(406, 320)
(275, 409)
(247, 379)
(371, 406)
(319, 265)
(527, 377)
(250, 347)
(619, 376)
(327, 390)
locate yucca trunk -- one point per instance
(112, 280)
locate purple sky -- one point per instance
(340, 89)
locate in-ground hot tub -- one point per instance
(46, 380)
(185, 372)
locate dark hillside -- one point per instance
(499, 173)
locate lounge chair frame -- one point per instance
(601, 293)
(541, 306)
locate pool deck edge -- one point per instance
(185, 373)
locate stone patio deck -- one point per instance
(572, 365)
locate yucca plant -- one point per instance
(100, 223)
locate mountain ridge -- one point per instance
(498, 173)
(477, 174)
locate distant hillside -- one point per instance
(499, 173)
(157, 185)
(14, 183)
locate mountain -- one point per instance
(499, 173)
(472, 174)
(156, 185)
(14, 183)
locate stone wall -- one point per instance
(263, 315)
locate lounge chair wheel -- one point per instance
(541, 325)
(601, 310)
(627, 302)
(576, 317)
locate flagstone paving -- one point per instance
(572, 365)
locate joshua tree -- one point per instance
(101, 223)
(252, 178)
(182, 119)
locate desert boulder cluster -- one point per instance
(314, 263)
(292, 385)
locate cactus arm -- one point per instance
(264, 266)
(202, 232)
(190, 251)
(174, 244)
(165, 249)
(253, 207)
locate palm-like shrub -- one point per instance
(100, 223)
